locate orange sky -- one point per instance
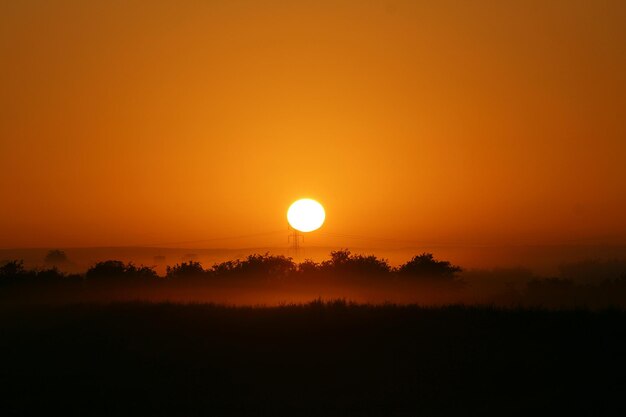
(452, 122)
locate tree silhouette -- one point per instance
(56, 257)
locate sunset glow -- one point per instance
(470, 156)
(422, 124)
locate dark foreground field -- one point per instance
(320, 360)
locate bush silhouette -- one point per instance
(11, 272)
(118, 270)
(12, 269)
(425, 266)
(308, 267)
(266, 265)
(344, 262)
(185, 270)
(49, 276)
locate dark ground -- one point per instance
(317, 360)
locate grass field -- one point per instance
(318, 359)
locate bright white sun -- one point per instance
(306, 215)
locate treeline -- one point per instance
(265, 278)
(342, 263)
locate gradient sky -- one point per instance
(452, 122)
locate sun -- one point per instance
(306, 215)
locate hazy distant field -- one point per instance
(271, 280)
(320, 360)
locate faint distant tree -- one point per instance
(427, 267)
(56, 257)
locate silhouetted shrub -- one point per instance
(11, 272)
(14, 273)
(50, 276)
(344, 262)
(142, 272)
(12, 269)
(118, 270)
(267, 265)
(259, 266)
(425, 266)
(186, 270)
(308, 267)
(224, 268)
(106, 269)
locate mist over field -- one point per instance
(266, 279)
